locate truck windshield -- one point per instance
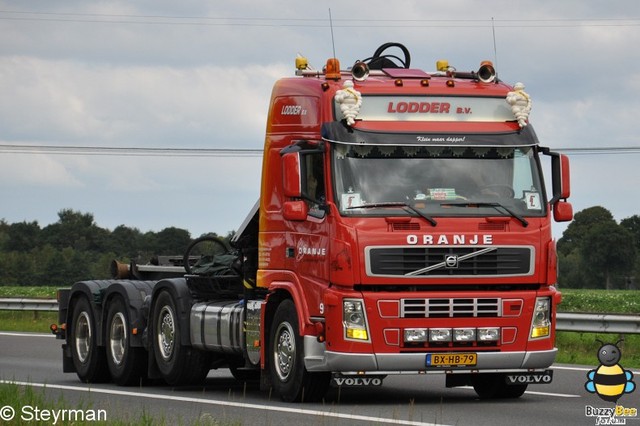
(438, 181)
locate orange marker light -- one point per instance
(332, 69)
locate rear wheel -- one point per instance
(127, 364)
(88, 358)
(178, 364)
(289, 376)
(494, 386)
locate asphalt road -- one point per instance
(406, 400)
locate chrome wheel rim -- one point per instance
(118, 338)
(166, 332)
(284, 353)
(83, 336)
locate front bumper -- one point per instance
(318, 359)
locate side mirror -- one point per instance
(561, 182)
(562, 211)
(561, 178)
(565, 181)
(291, 175)
(295, 210)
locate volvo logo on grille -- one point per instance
(451, 261)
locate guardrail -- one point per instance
(598, 323)
(565, 321)
(15, 304)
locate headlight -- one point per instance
(541, 322)
(464, 334)
(439, 335)
(354, 319)
(489, 334)
(412, 335)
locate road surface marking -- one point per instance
(224, 403)
(17, 334)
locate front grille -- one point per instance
(449, 261)
(450, 308)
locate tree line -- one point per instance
(595, 251)
(75, 248)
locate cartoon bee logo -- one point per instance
(610, 381)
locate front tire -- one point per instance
(127, 364)
(494, 386)
(178, 364)
(89, 359)
(289, 376)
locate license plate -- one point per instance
(466, 359)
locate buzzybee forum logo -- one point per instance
(610, 381)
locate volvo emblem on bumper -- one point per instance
(542, 377)
(356, 381)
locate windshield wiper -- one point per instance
(495, 205)
(396, 204)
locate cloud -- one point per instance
(199, 74)
(134, 105)
(20, 170)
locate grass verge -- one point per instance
(44, 292)
(600, 301)
(582, 348)
(27, 321)
(25, 405)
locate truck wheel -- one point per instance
(178, 364)
(494, 386)
(88, 358)
(127, 364)
(289, 376)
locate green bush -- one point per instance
(600, 301)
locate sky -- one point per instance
(195, 75)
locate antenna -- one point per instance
(333, 43)
(495, 48)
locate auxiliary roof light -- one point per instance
(301, 63)
(332, 69)
(442, 65)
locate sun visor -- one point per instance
(339, 132)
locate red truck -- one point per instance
(403, 227)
